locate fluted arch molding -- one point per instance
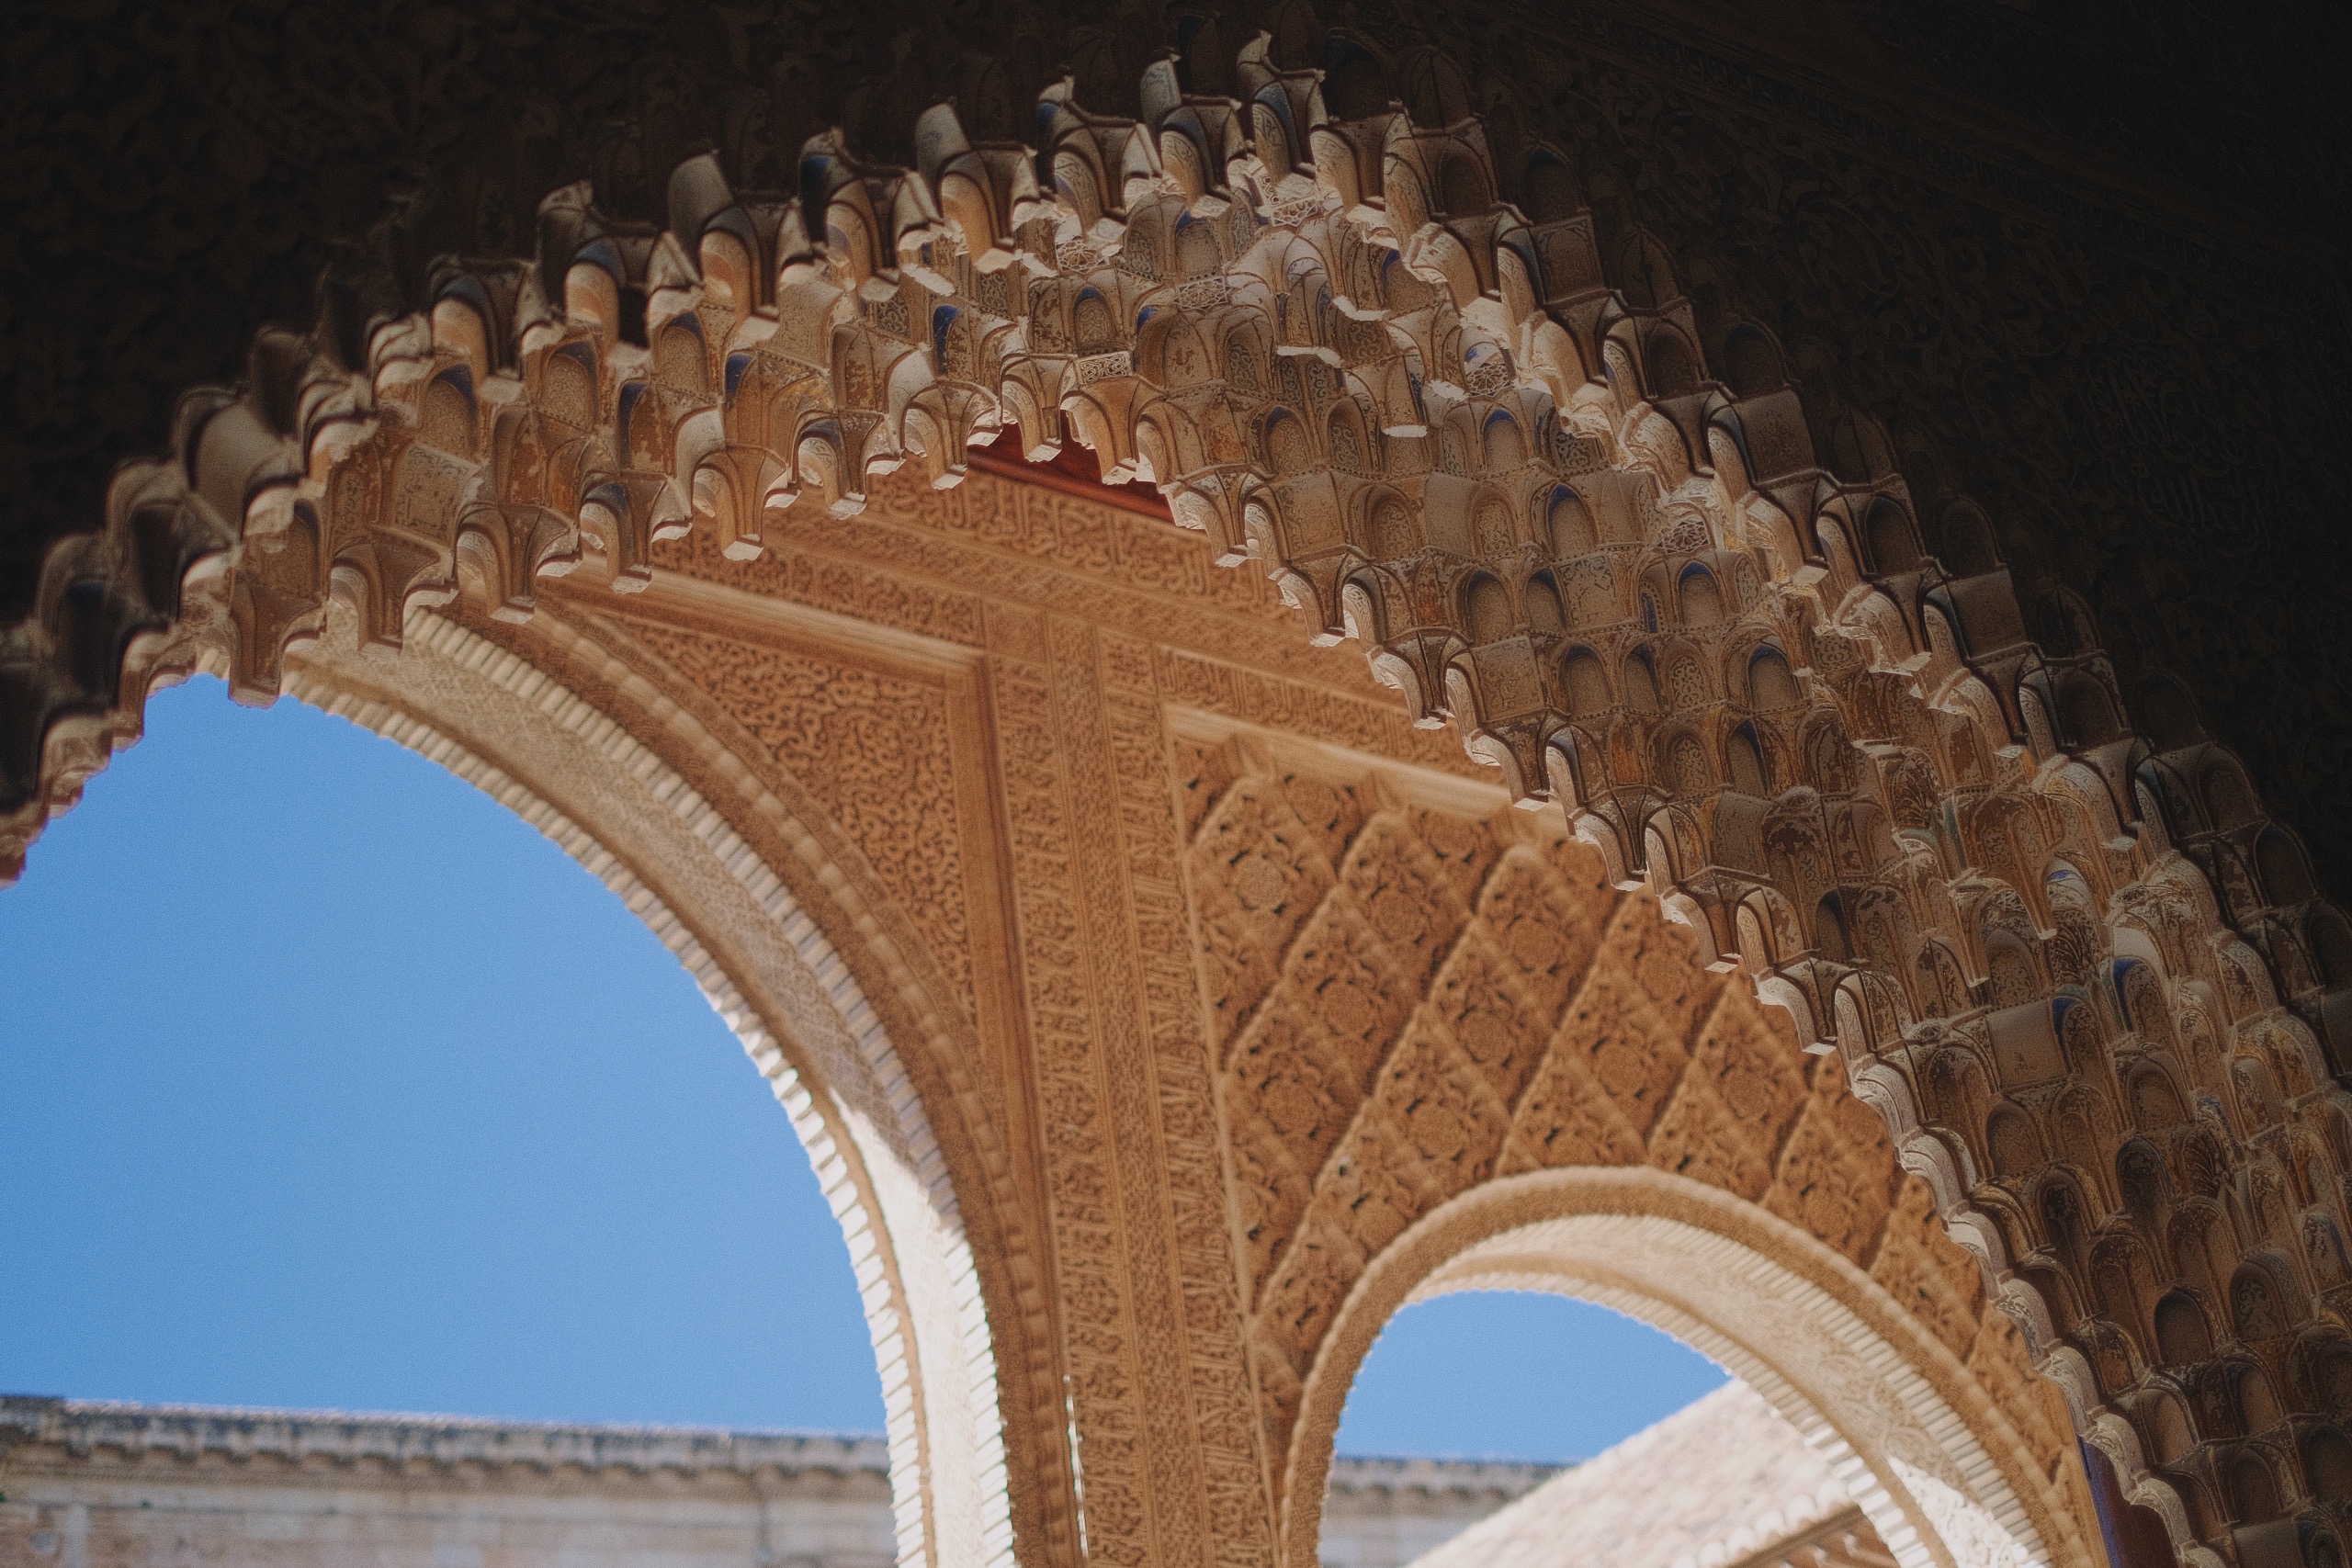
(754, 935)
(2089, 984)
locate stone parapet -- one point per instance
(80, 1427)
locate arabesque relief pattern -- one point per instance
(873, 749)
(1413, 1002)
(2084, 982)
(1124, 760)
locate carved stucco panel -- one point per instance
(873, 748)
(1222, 1401)
(1168, 1450)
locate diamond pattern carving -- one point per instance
(1434, 1000)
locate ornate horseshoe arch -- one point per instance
(1815, 1335)
(752, 927)
(1367, 336)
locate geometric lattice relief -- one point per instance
(1410, 1001)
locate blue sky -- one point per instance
(325, 1081)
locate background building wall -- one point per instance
(94, 1486)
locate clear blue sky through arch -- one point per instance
(330, 1082)
(1516, 1375)
(327, 1082)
